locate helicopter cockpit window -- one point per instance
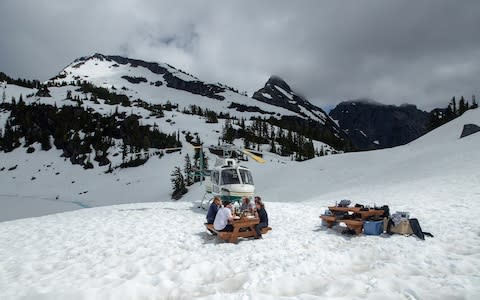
(230, 176)
(246, 176)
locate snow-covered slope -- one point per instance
(158, 83)
(162, 251)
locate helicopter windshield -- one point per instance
(230, 176)
(246, 176)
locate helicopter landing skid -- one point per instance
(208, 199)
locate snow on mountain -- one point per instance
(277, 92)
(158, 83)
(162, 251)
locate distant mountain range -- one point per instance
(372, 125)
(293, 124)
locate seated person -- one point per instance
(223, 217)
(263, 216)
(213, 209)
(247, 205)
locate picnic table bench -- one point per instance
(243, 227)
(356, 223)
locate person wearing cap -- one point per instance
(224, 217)
(213, 209)
(263, 216)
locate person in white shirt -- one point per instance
(223, 217)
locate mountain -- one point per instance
(372, 125)
(110, 112)
(277, 92)
(160, 82)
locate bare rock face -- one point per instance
(372, 125)
(469, 129)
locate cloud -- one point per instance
(421, 52)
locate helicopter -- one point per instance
(228, 179)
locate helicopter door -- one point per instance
(215, 182)
(246, 176)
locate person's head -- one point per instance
(259, 204)
(227, 203)
(257, 199)
(217, 201)
(246, 200)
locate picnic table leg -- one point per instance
(252, 230)
(234, 236)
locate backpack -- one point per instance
(417, 230)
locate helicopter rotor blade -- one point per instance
(254, 157)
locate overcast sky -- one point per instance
(420, 52)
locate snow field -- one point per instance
(162, 250)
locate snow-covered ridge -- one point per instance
(161, 82)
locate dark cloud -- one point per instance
(422, 52)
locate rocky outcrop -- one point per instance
(134, 80)
(469, 129)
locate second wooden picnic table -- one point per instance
(354, 222)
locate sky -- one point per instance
(420, 52)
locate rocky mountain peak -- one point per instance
(277, 92)
(277, 81)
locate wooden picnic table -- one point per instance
(356, 223)
(364, 214)
(242, 227)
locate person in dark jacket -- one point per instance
(263, 216)
(213, 209)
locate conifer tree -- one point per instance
(188, 170)
(146, 143)
(474, 103)
(454, 106)
(461, 106)
(45, 140)
(178, 183)
(273, 149)
(124, 152)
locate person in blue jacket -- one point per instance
(263, 216)
(213, 209)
